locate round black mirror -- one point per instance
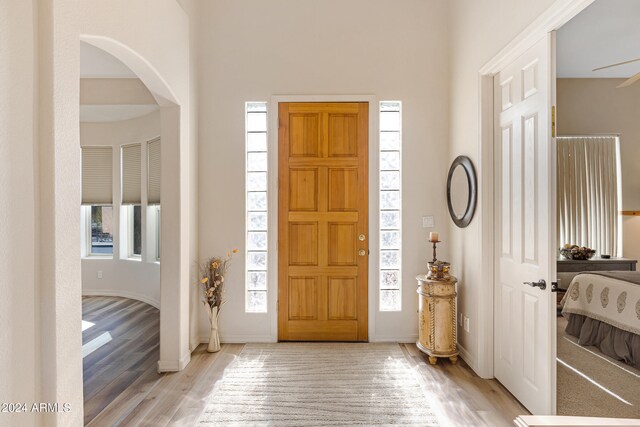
(462, 191)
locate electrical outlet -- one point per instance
(428, 222)
(99, 274)
(466, 323)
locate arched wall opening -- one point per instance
(174, 278)
(154, 42)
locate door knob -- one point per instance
(539, 284)
(362, 252)
(362, 237)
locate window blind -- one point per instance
(153, 171)
(97, 176)
(131, 174)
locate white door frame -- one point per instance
(553, 18)
(373, 169)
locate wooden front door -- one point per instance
(323, 221)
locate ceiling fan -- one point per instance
(631, 80)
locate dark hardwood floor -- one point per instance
(123, 388)
(120, 346)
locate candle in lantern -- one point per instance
(433, 236)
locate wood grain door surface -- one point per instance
(323, 221)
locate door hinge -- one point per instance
(553, 121)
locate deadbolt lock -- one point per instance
(362, 237)
(362, 252)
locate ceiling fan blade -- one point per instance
(615, 65)
(630, 81)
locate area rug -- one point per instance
(593, 384)
(320, 384)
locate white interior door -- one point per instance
(524, 354)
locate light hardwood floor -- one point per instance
(124, 389)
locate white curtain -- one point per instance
(588, 192)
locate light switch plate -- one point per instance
(99, 274)
(428, 222)
(467, 323)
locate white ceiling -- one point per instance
(606, 32)
(96, 63)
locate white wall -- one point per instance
(138, 279)
(19, 339)
(58, 198)
(479, 30)
(192, 9)
(250, 51)
(592, 106)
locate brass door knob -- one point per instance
(362, 252)
(362, 237)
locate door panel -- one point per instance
(323, 210)
(303, 189)
(303, 246)
(524, 321)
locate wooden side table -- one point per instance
(437, 317)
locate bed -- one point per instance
(603, 310)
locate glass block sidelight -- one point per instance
(256, 207)
(257, 201)
(390, 180)
(257, 221)
(257, 261)
(257, 301)
(390, 200)
(390, 220)
(390, 260)
(389, 300)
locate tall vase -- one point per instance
(214, 338)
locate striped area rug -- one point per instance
(320, 384)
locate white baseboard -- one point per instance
(119, 293)
(174, 365)
(194, 341)
(243, 339)
(184, 361)
(395, 338)
(239, 339)
(466, 356)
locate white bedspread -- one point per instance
(613, 301)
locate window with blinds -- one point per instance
(153, 172)
(97, 176)
(97, 198)
(131, 174)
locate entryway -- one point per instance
(323, 247)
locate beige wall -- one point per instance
(478, 30)
(592, 106)
(252, 50)
(19, 339)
